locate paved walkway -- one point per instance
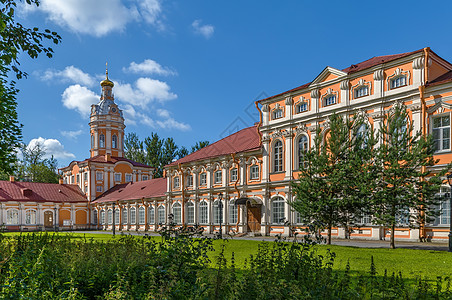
(437, 246)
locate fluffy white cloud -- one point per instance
(79, 98)
(204, 30)
(51, 147)
(69, 74)
(72, 134)
(132, 117)
(149, 66)
(100, 17)
(145, 91)
(170, 123)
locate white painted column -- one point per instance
(288, 153)
(265, 159)
(315, 95)
(345, 93)
(289, 108)
(417, 116)
(379, 76)
(265, 116)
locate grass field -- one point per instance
(412, 263)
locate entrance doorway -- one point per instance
(253, 218)
(48, 219)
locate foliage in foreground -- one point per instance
(178, 267)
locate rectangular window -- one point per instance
(85, 176)
(144, 177)
(99, 176)
(118, 177)
(72, 179)
(99, 189)
(398, 82)
(443, 207)
(218, 175)
(203, 179)
(361, 91)
(190, 180)
(176, 182)
(330, 100)
(441, 133)
(234, 174)
(277, 113)
(254, 172)
(86, 189)
(78, 178)
(128, 177)
(301, 107)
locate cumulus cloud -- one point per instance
(72, 134)
(69, 74)
(51, 147)
(132, 117)
(149, 66)
(100, 17)
(204, 30)
(79, 98)
(144, 91)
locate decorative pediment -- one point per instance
(302, 128)
(328, 74)
(439, 106)
(278, 133)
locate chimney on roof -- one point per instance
(26, 192)
(11, 179)
(107, 157)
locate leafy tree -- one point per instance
(154, 153)
(402, 196)
(199, 145)
(331, 190)
(33, 166)
(14, 40)
(134, 149)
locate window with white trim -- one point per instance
(177, 212)
(110, 216)
(151, 214)
(190, 213)
(118, 177)
(329, 99)
(133, 216)
(441, 133)
(203, 179)
(102, 217)
(176, 182)
(144, 177)
(190, 180)
(233, 211)
(217, 211)
(78, 178)
(95, 220)
(124, 215)
(398, 81)
(72, 179)
(99, 189)
(277, 210)
(85, 176)
(203, 212)
(141, 215)
(361, 91)
(278, 157)
(301, 107)
(303, 146)
(278, 113)
(161, 214)
(102, 141)
(114, 141)
(254, 172)
(218, 176)
(234, 174)
(443, 207)
(362, 135)
(116, 216)
(30, 217)
(86, 189)
(128, 177)
(298, 219)
(99, 176)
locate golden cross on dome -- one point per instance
(106, 69)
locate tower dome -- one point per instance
(106, 81)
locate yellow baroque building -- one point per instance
(243, 181)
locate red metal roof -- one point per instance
(244, 140)
(134, 190)
(355, 68)
(40, 192)
(441, 79)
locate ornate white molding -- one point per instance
(315, 94)
(312, 128)
(289, 100)
(345, 84)
(278, 133)
(362, 83)
(287, 133)
(418, 63)
(399, 72)
(439, 107)
(415, 107)
(379, 74)
(265, 108)
(265, 138)
(301, 128)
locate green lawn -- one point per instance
(412, 263)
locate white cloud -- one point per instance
(69, 74)
(72, 134)
(146, 90)
(131, 117)
(100, 17)
(51, 147)
(204, 30)
(79, 98)
(170, 123)
(149, 66)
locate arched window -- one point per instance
(203, 212)
(95, 220)
(12, 217)
(110, 216)
(361, 91)
(102, 217)
(278, 157)
(329, 100)
(190, 213)
(114, 142)
(232, 211)
(133, 216)
(303, 146)
(30, 217)
(361, 134)
(161, 214)
(398, 81)
(277, 207)
(141, 215)
(102, 141)
(116, 216)
(301, 107)
(217, 212)
(151, 214)
(177, 212)
(124, 215)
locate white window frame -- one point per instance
(141, 215)
(177, 213)
(278, 213)
(101, 141)
(278, 162)
(161, 214)
(133, 215)
(254, 172)
(114, 141)
(203, 212)
(190, 213)
(128, 177)
(277, 113)
(190, 180)
(397, 81)
(439, 141)
(118, 177)
(151, 214)
(99, 176)
(233, 211)
(361, 91)
(234, 174)
(176, 182)
(203, 179)
(30, 217)
(301, 107)
(218, 177)
(303, 147)
(99, 189)
(125, 216)
(329, 99)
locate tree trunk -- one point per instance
(328, 242)
(392, 244)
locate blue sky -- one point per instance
(192, 70)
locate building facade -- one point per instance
(250, 172)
